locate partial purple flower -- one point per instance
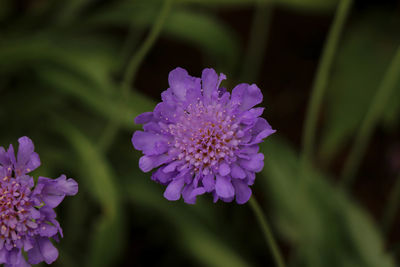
(203, 138)
(27, 218)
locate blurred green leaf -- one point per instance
(91, 59)
(301, 5)
(207, 33)
(325, 226)
(362, 60)
(5, 8)
(107, 238)
(193, 236)
(308, 5)
(199, 29)
(81, 70)
(108, 104)
(71, 9)
(220, 2)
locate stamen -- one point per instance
(203, 136)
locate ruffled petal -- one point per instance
(11, 155)
(43, 250)
(261, 130)
(33, 163)
(255, 163)
(4, 158)
(152, 127)
(27, 159)
(190, 193)
(144, 118)
(210, 83)
(172, 166)
(174, 189)
(242, 191)
(150, 143)
(50, 216)
(209, 79)
(147, 163)
(165, 113)
(25, 149)
(178, 80)
(47, 230)
(54, 190)
(224, 187)
(250, 116)
(224, 169)
(162, 177)
(246, 96)
(3, 255)
(209, 182)
(15, 258)
(237, 172)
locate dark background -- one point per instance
(61, 68)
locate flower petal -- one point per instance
(162, 177)
(178, 80)
(210, 83)
(250, 116)
(172, 166)
(246, 96)
(147, 163)
(237, 172)
(27, 159)
(224, 169)
(209, 79)
(242, 191)
(209, 182)
(174, 189)
(150, 143)
(262, 129)
(47, 230)
(144, 118)
(190, 193)
(43, 250)
(54, 190)
(4, 158)
(224, 187)
(3, 255)
(25, 149)
(255, 163)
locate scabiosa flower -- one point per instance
(203, 139)
(27, 218)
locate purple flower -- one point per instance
(203, 139)
(27, 218)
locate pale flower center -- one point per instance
(205, 136)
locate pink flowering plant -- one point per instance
(27, 217)
(203, 139)
(178, 165)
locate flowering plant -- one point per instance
(203, 139)
(27, 218)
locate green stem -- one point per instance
(371, 118)
(321, 80)
(112, 128)
(137, 59)
(391, 207)
(257, 43)
(269, 238)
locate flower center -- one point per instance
(205, 135)
(15, 215)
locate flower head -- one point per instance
(203, 139)
(27, 218)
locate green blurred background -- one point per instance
(74, 74)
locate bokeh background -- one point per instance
(74, 74)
